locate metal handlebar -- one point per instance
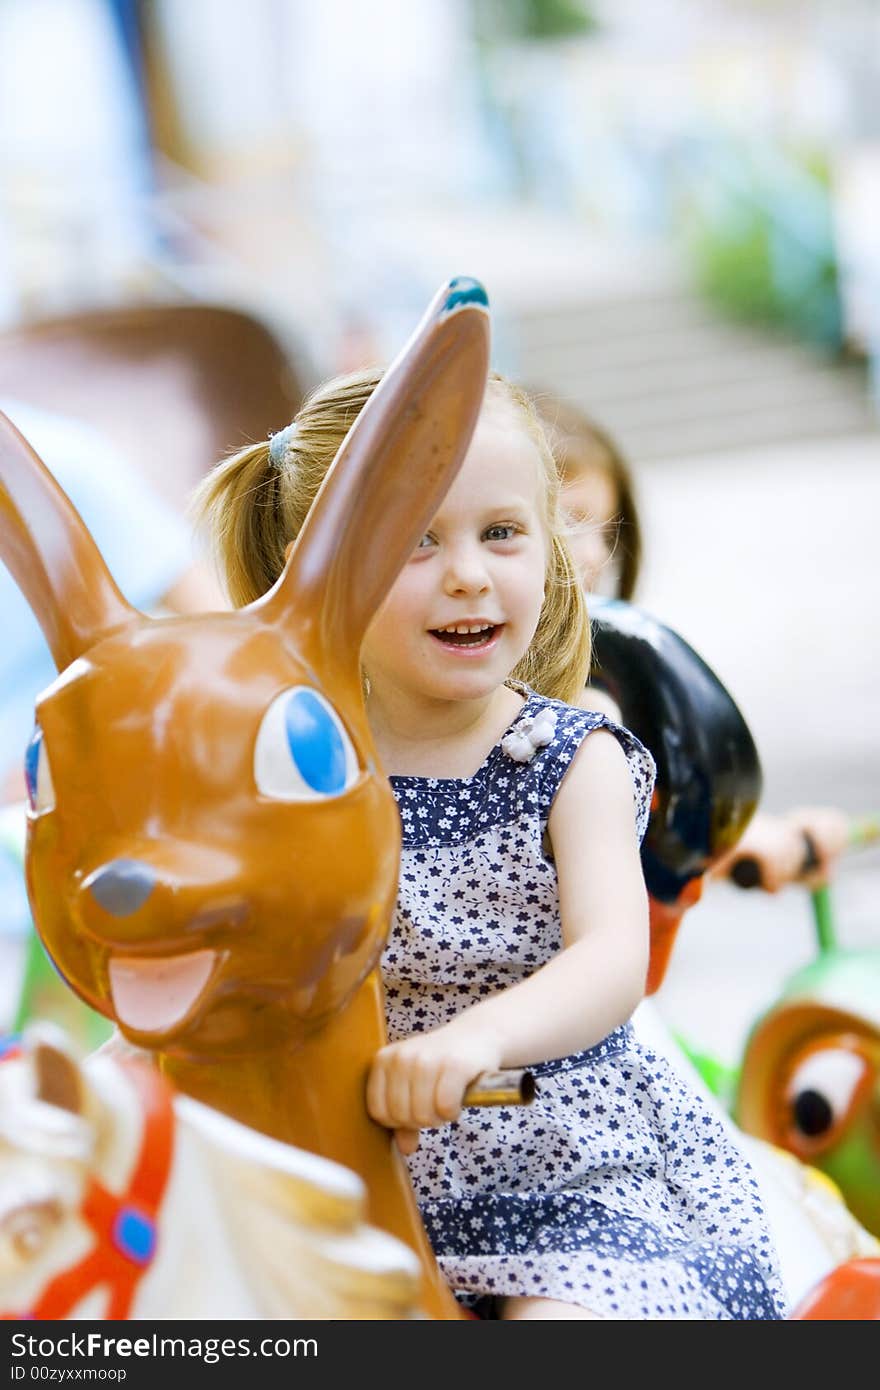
(501, 1088)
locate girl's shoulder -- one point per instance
(548, 733)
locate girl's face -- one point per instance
(591, 506)
(465, 607)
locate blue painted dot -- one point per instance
(315, 743)
(31, 763)
(134, 1236)
(464, 290)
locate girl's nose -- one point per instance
(466, 572)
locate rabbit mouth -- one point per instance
(155, 995)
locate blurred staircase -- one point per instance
(668, 377)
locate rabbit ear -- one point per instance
(51, 555)
(389, 477)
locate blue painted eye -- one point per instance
(38, 774)
(303, 752)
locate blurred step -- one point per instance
(668, 344)
(669, 377)
(718, 371)
(620, 317)
(664, 397)
(720, 433)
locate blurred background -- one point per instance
(206, 207)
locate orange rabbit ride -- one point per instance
(212, 848)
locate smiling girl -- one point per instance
(520, 936)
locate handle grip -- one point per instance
(746, 872)
(501, 1088)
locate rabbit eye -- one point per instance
(38, 774)
(822, 1091)
(303, 752)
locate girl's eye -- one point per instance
(425, 542)
(38, 774)
(500, 532)
(303, 752)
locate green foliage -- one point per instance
(47, 998)
(498, 20)
(757, 229)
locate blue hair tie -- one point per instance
(278, 445)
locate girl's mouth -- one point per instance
(466, 638)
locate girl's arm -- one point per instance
(574, 1000)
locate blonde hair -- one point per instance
(255, 502)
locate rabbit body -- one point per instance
(212, 848)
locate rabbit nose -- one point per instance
(122, 886)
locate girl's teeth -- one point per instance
(480, 632)
(483, 627)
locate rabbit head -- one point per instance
(212, 848)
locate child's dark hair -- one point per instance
(581, 446)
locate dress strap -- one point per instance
(557, 730)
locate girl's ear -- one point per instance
(388, 479)
(51, 555)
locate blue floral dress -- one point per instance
(617, 1188)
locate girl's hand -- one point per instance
(828, 831)
(778, 844)
(419, 1083)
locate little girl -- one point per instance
(520, 935)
